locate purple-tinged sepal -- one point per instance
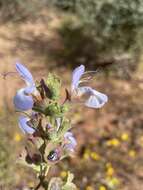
(69, 142)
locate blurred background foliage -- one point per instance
(57, 35)
(114, 23)
(103, 32)
(106, 30)
(18, 10)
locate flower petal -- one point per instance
(76, 75)
(101, 97)
(22, 101)
(97, 100)
(25, 74)
(30, 89)
(70, 141)
(91, 97)
(73, 141)
(69, 147)
(24, 125)
(68, 134)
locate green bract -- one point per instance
(54, 109)
(58, 184)
(54, 85)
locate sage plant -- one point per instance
(44, 120)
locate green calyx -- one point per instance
(56, 135)
(55, 110)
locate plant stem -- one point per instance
(42, 178)
(38, 186)
(40, 183)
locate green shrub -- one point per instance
(20, 9)
(115, 26)
(65, 4)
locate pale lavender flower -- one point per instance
(23, 99)
(92, 98)
(24, 126)
(70, 142)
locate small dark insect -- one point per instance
(53, 156)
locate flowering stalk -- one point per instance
(44, 122)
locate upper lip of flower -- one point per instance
(27, 77)
(25, 74)
(94, 99)
(76, 75)
(23, 99)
